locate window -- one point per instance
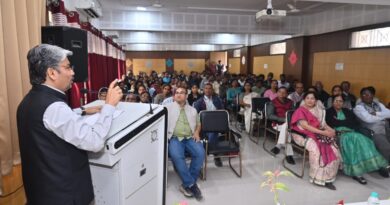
(371, 38)
(278, 48)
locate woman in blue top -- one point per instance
(232, 93)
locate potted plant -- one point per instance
(273, 184)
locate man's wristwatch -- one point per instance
(83, 111)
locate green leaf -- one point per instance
(268, 174)
(281, 186)
(286, 173)
(264, 184)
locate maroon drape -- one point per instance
(74, 95)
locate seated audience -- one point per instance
(141, 89)
(270, 78)
(322, 94)
(311, 131)
(123, 86)
(282, 82)
(194, 95)
(145, 98)
(358, 151)
(166, 93)
(312, 89)
(259, 88)
(102, 93)
(373, 91)
(216, 84)
(242, 80)
(131, 86)
(271, 93)
(209, 101)
(166, 79)
(183, 134)
(155, 88)
(182, 76)
(296, 96)
(168, 100)
(348, 96)
(261, 78)
(223, 88)
(336, 90)
(194, 79)
(374, 115)
(292, 86)
(204, 81)
(245, 101)
(232, 93)
(132, 98)
(276, 112)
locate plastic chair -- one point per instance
(228, 146)
(268, 128)
(301, 149)
(258, 105)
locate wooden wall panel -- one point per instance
(244, 66)
(244, 51)
(234, 65)
(168, 54)
(215, 56)
(188, 65)
(147, 65)
(258, 50)
(11, 183)
(130, 55)
(294, 71)
(362, 68)
(275, 65)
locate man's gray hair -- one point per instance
(42, 57)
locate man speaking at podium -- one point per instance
(53, 139)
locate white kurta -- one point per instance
(248, 115)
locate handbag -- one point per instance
(324, 139)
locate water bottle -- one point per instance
(373, 199)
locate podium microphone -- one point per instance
(83, 92)
(150, 109)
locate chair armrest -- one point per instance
(236, 134)
(298, 133)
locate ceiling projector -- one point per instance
(269, 13)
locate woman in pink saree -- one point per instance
(310, 129)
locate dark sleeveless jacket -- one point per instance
(54, 171)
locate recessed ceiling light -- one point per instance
(140, 8)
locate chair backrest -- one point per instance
(288, 118)
(214, 121)
(266, 106)
(259, 103)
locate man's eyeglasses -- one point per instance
(180, 93)
(68, 67)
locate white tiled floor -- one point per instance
(224, 187)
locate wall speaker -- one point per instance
(73, 39)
